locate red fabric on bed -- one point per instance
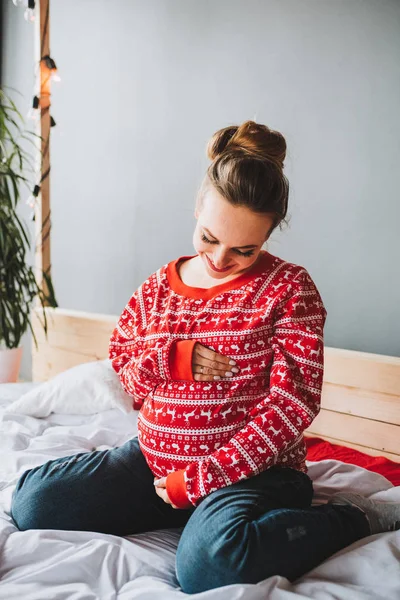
(319, 449)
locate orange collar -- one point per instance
(177, 285)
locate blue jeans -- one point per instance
(243, 533)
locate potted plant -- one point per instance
(18, 286)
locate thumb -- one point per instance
(161, 482)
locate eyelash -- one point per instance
(245, 254)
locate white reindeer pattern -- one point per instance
(187, 415)
(230, 320)
(235, 459)
(200, 321)
(315, 353)
(226, 412)
(206, 413)
(171, 412)
(299, 345)
(158, 411)
(276, 431)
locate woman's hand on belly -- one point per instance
(161, 490)
(208, 365)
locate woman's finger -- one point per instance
(207, 362)
(211, 355)
(201, 370)
(200, 377)
(162, 492)
(215, 365)
(161, 482)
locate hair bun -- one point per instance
(219, 141)
(249, 138)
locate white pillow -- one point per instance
(82, 390)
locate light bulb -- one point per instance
(29, 15)
(33, 114)
(31, 201)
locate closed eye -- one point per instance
(248, 253)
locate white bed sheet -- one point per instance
(60, 565)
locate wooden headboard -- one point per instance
(360, 396)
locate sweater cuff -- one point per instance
(176, 489)
(180, 360)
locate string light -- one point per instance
(29, 6)
(34, 111)
(31, 201)
(29, 13)
(47, 71)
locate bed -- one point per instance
(353, 444)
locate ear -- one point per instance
(196, 212)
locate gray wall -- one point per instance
(145, 84)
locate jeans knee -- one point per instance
(28, 505)
(21, 512)
(206, 560)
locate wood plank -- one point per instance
(73, 338)
(348, 428)
(67, 318)
(365, 449)
(48, 361)
(362, 403)
(81, 334)
(363, 370)
(82, 344)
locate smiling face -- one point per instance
(228, 238)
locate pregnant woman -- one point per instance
(222, 353)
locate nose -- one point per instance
(221, 259)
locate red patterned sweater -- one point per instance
(208, 435)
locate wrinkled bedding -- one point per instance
(58, 565)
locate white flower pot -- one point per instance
(10, 362)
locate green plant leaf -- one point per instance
(18, 286)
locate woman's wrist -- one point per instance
(176, 489)
(180, 360)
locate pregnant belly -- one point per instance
(176, 430)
